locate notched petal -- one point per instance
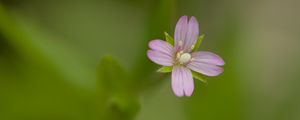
(160, 58)
(181, 29)
(182, 81)
(161, 46)
(192, 33)
(207, 57)
(205, 69)
(177, 82)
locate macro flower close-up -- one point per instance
(149, 60)
(182, 56)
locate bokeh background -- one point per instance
(86, 60)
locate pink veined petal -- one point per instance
(177, 81)
(182, 81)
(188, 82)
(180, 30)
(160, 58)
(207, 57)
(161, 46)
(206, 69)
(192, 33)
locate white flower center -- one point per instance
(184, 57)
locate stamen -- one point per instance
(178, 55)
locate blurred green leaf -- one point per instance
(169, 39)
(198, 76)
(165, 69)
(124, 106)
(111, 74)
(198, 42)
(119, 102)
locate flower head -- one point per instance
(183, 58)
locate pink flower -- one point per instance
(182, 57)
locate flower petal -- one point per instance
(160, 58)
(207, 57)
(161, 46)
(204, 68)
(188, 83)
(180, 30)
(182, 81)
(177, 81)
(192, 33)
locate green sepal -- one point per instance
(199, 76)
(165, 69)
(169, 39)
(198, 42)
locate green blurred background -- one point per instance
(53, 64)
